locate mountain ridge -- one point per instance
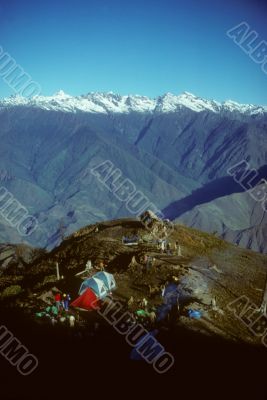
(169, 156)
(105, 102)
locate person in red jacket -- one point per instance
(58, 300)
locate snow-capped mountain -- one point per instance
(175, 149)
(114, 103)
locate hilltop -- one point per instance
(208, 268)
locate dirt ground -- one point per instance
(209, 274)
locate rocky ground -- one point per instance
(208, 269)
(210, 273)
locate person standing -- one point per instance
(162, 288)
(58, 300)
(133, 261)
(148, 263)
(66, 301)
(152, 317)
(178, 249)
(72, 321)
(130, 302)
(144, 303)
(88, 266)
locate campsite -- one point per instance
(180, 297)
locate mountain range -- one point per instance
(176, 150)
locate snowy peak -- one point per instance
(61, 95)
(171, 103)
(249, 109)
(97, 102)
(111, 102)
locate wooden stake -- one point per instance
(57, 268)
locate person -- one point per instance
(72, 321)
(133, 261)
(163, 287)
(48, 311)
(178, 249)
(178, 309)
(263, 308)
(152, 317)
(58, 300)
(62, 302)
(53, 321)
(88, 265)
(213, 303)
(54, 311)
(168, 249)
(148, 263)
(144, 303)
(66, 301)
(130, 301)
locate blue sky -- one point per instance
(146, 47)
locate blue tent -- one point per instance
(107, 278)
(96, 285)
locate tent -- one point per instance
(132, 240)
(87, 301)
(107, 278)
(96, 285)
